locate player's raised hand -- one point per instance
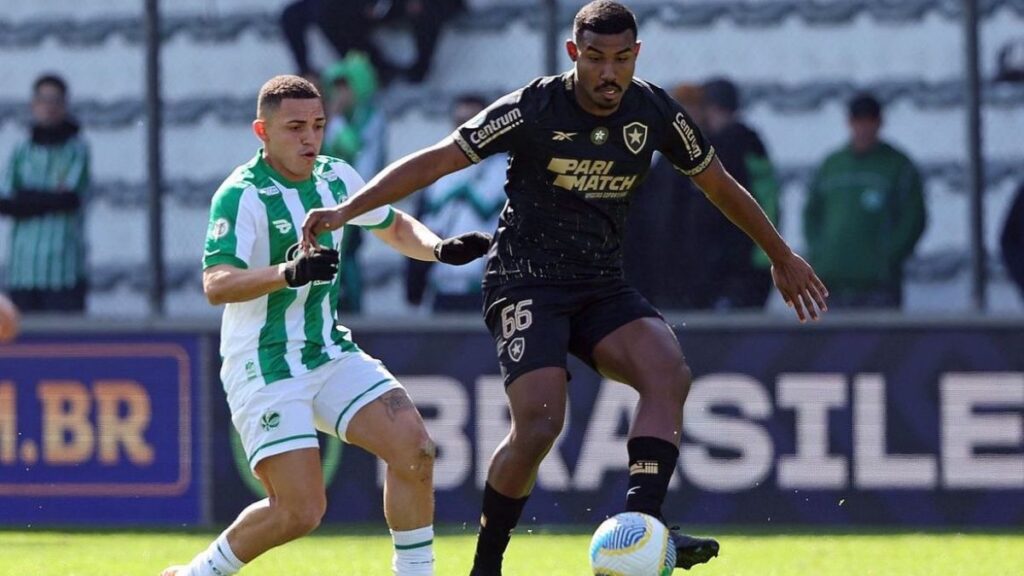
(800, 287)
(462, 249)
(318, 221)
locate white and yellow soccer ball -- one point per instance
(632, 544)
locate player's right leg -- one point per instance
(531, 329)
(363, 404)
(537, 401)
(276, 426)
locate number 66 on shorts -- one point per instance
(515, 317)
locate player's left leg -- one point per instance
(625, 338)
(646, 355)
(382, 419)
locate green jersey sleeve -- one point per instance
(231, 234)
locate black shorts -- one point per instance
(536, 326)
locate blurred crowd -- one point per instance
(864, 215)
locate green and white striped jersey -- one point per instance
(256, 221)
(47, 252)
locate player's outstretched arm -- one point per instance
(224, 283)
(403, 177)
(412, 238)
(800, 286)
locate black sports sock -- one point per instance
(500, 515)
(651, 464)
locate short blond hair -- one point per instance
(281, 88)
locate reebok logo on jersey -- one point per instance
(272, 191)
(687, 135)
(643, 467)
(559, 136)
(283, 226)
(496, 127)
(591, 176)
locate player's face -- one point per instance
(48, 106)
(292, 135)
(604, 68)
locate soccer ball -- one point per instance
(632, 544)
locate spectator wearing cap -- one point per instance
(740, 272)
(864, 214)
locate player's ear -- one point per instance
(636, 49)
(259, 128)
(572, 50)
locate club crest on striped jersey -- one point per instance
(220, 228)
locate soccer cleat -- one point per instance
(692, 550)
(174, 571)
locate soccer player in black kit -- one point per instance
(579, 143)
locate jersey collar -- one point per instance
(277, 177)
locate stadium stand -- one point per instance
(797, 62)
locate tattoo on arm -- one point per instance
(396, 401)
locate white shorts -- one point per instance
(285, 415)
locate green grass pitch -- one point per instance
(363, 551)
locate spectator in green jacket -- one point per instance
(864, 215)
(43, 190)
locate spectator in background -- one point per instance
(864, 214)
(43, 191)
(662, 255)
(741, 269)
(463, 201)
(9, 320)
(1011, 241)
(356, 132)
(427, 17)
(349, 24)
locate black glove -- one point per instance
(462, 249)
(320, 264)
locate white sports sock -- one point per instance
(414, 552)
(217, 560)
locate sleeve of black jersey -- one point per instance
(684, 144)
(501, 127)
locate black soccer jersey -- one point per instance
(571, 174)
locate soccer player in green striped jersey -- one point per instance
(288, 370)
